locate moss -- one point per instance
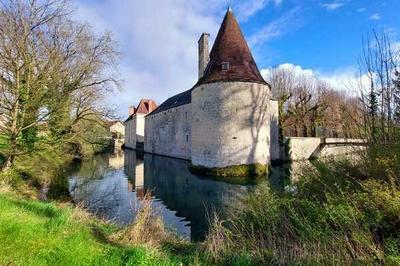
(237, 174)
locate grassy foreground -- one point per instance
(340, 212)
(38, 233)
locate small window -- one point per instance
(187, 138)
(225, 66)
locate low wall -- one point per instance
(301, 148)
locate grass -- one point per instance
(38, 233)
(339, 213)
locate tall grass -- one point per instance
(147, 228)
(340, 213)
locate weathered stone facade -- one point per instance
(230, 124)
(169, 132)
(224, 120)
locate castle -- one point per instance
(227, 118)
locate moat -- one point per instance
(111, 185)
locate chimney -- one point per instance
(131, 110)
(204, 55)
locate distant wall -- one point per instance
(130, 133)
(118, 128)
(169, 132)
(302, 148)
(134, 130)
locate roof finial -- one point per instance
(229, 9)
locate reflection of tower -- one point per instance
(139, 179)
(134, 170)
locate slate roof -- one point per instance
(175, 101)
(231, 47)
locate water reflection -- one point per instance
(110, 185)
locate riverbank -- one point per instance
(48, 233)
(337, 212)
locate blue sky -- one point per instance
(158, 38)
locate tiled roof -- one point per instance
(231, 47)
(145, 106)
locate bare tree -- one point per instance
(282, 82)
(379, 65)
(53, 71)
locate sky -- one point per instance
(158, 38)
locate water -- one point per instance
(111, 186)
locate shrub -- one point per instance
(340, 213)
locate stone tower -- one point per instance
(230, 105)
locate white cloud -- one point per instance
(375, 16)
(289, 21)
(158, 41)
(343, 79)
(333, 6)
(362, 9)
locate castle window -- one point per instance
(225, 66)
(187, 138)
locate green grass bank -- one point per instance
(39, 233)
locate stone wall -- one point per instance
(274, 146)
(118, 128)
(230, 124)
(130, 133)
(169, 132)
(299, 148)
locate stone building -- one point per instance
(117, 129)
(134, 125)
(227, 118)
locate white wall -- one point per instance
(230, 124)
(169, 132)
(140, 120)
(118, 128)
(305, 148)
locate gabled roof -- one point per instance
(231, 47)
(145, 106)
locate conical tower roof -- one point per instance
(230, 57)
